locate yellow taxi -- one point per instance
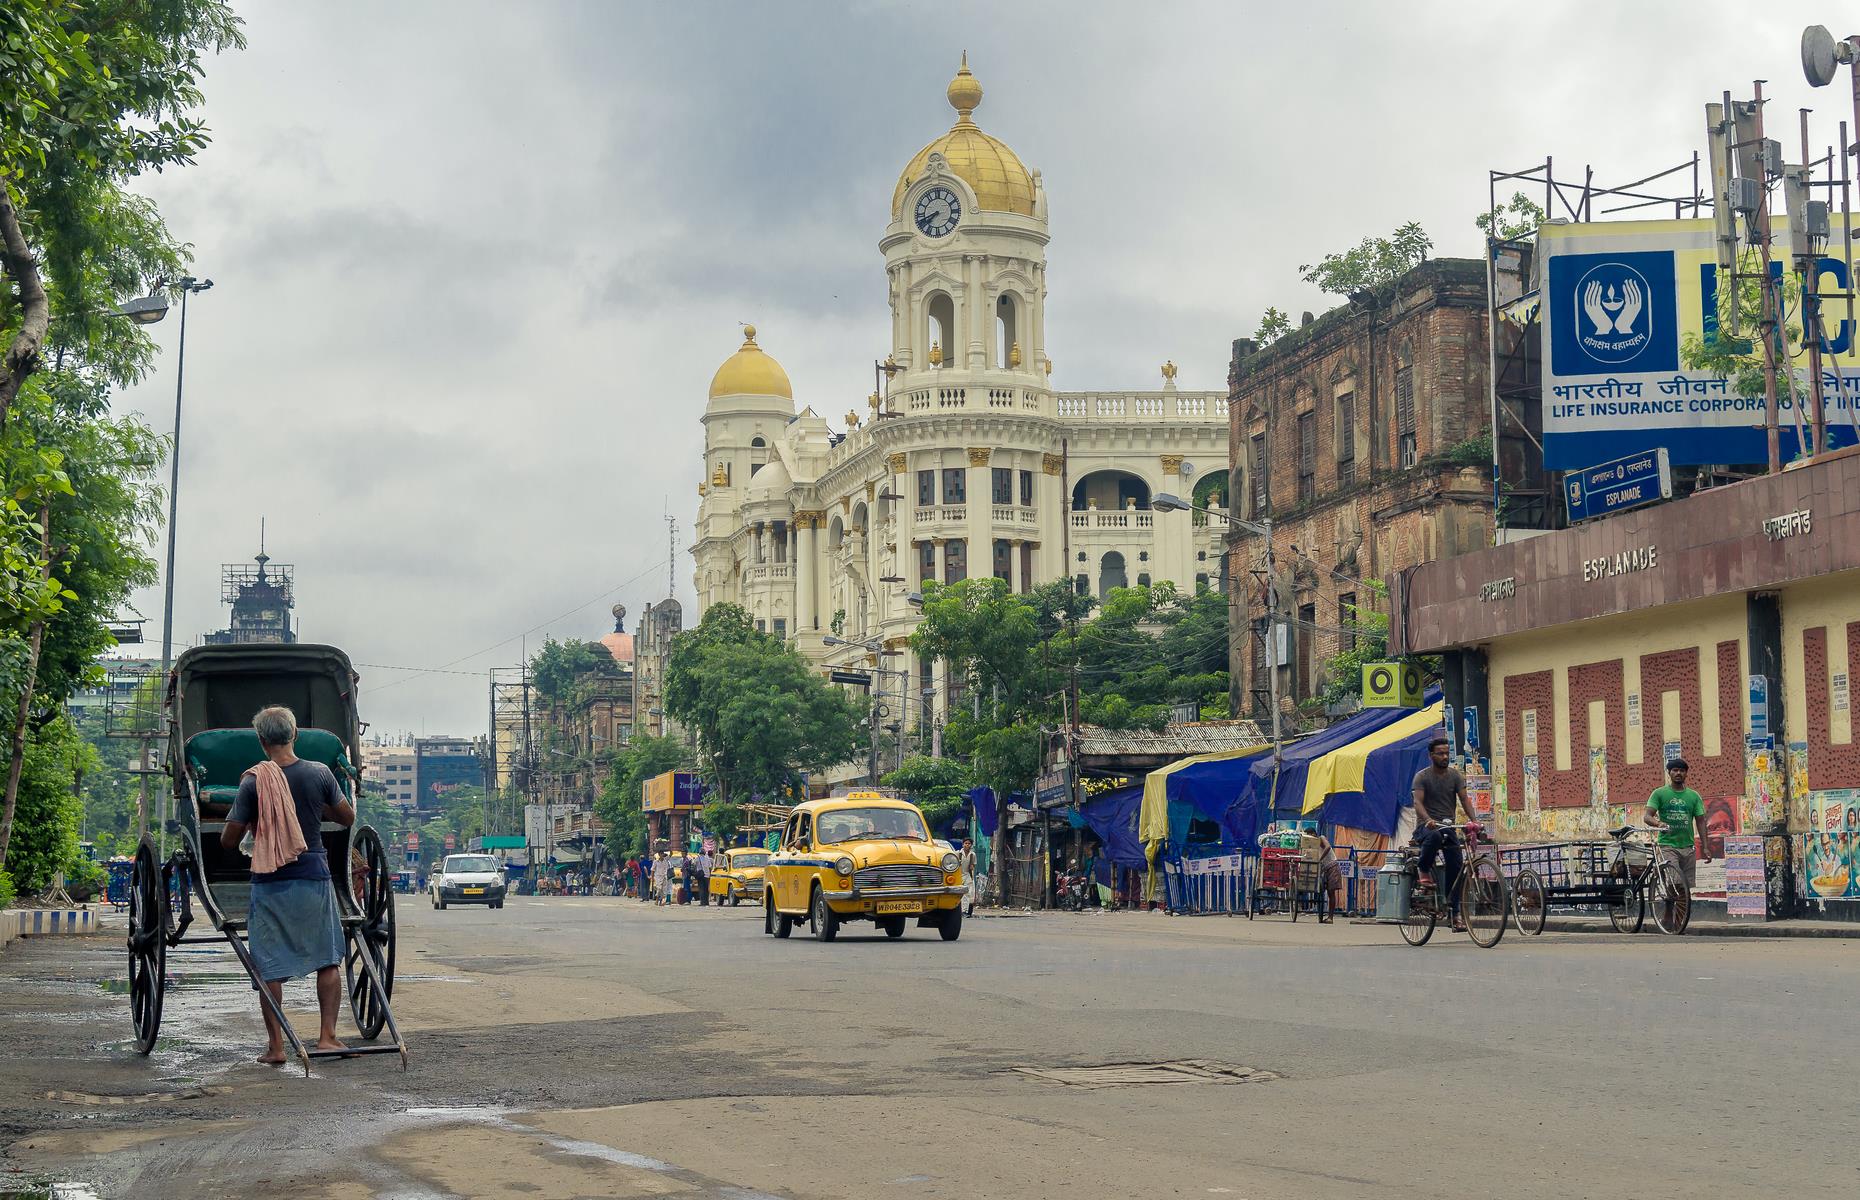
(739, 876)
(861, 857)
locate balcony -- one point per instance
(768, 573)
(1198, 407)
(1124, 519)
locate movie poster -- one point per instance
(1831, 850)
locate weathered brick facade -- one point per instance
(1374, 420)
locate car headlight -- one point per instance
(844, 866)
(951, 862)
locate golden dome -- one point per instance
(1001, 182)
(750, 372)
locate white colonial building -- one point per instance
(969, 464)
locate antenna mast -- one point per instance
(671, 557)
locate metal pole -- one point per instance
(1272, 632)
(1771, 310)
(1811, 320)
(174, 490)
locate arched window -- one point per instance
(940, 329)
(757, 443)
(836, 534)
(1110, 491)
(1111, 573)
(1007, 328)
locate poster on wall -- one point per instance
(1799, 794)
(1479, 796)
(1831, 849)
(1765, 800)
(1533, 797)
(1619, 299)
(1744, 894)
(1598, 775)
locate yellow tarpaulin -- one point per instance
(1153, 816)
(1342, 769)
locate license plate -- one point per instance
(473, 891)
(899, 906)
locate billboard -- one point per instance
(1619, 300)
(672, 791)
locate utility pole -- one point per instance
(1772, 309)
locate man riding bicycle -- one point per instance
(1439, 792)
(1678, 811)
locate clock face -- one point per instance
(937, 211)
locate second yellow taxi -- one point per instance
(861, 857)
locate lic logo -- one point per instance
(1614, 312)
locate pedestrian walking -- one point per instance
(971, 885)
(687, 873)
(1679, 813)
(294, 928)
(703, 878)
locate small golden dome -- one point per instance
(1001, 182)
(750, 372)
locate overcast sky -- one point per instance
(476, 263)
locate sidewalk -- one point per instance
(1720, 927)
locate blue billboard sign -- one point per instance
(1618, 485)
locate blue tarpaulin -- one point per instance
(1261, 801)
(985, 815)
(1387, 786)
(1210, 791)
(1113, 817)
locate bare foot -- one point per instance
(329, 1043)
(272, 1058)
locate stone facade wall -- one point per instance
(1375, 503)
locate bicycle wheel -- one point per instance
(1628, 910)
(1484, 903)
(1672, 899)
(1419, 924)
(1529, 902)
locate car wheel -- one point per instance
(951, 928)
(826, 921)
(776, 924)
(735, 899)
(893, 927)
(442, 904)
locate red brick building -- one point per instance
(1364, 437)
(1589, 655)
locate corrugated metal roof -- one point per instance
(1202, 737)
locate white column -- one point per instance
(806, 608)
(980, 525)
(1016, 583)
(1053, 518)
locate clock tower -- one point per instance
(965, 254)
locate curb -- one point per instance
(1719, 929)
(46, 922)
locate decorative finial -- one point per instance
(1168, 370)
(936, 354)
(619, 611)
(874, 401)
(1014, 355)
(965, 94)
(852, 417)
(749, 336)
(720, 477)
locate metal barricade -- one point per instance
(1217, 884)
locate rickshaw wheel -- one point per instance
(1529, 903)
(1629, 912)
(374, 897)
(148, 946)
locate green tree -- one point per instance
(555, 668)
(621, 796)
(939, 786)
(1369, 621)
(721, 819)
(1513, 221)
(1740, 359)
(1273, 325)
(49, 813)
(1373, 265)
(763, 718)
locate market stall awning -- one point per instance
(1279, 788)
(1210, 783)
(1365, 784)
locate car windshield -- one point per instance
(472, 864)
(866, 824)
(749, 860)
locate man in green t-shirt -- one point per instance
(1680, 813)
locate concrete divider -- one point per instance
(43, 922)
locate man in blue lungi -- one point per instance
(294, 927)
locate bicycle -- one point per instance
(1485, 898)
(1653, 881)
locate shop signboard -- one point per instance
(1618, 485)
(1052, 789)
(1619, 300)
(672, 791)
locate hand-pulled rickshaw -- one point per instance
(213, 693)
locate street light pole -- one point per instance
(186, 284)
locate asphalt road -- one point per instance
(600, 1047)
